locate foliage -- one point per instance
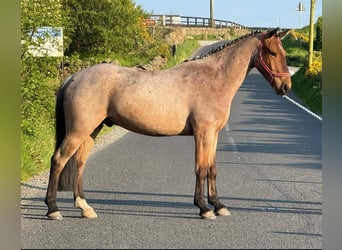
(37, 96)
(307, 82)
(315, 69)
(318, 39)
(296, 46)
(38, 84)
(112, 28)
(299, 36)
(308, 90)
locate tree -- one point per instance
(108, 26)
(37, 93)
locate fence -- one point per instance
(187, 21)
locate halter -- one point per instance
(260, 64)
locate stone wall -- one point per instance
(178, 34)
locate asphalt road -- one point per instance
(269, 175)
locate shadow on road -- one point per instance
(167, 205)
(272, 129)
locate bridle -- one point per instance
(262, 66)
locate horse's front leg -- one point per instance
(199, 201)
(203, 145)
(220, 209)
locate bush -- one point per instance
(38, 87)
(318, 39)
(296, 46)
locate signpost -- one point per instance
(47, 41)
(150, 22)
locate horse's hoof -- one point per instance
(55, 216)
(209, 215)
(89, 213)
(223, 212)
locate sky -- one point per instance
(250, 13)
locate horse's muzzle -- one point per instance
(283, 89)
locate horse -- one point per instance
(192, 98)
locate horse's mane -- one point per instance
(222, 46)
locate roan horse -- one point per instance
(192, 98)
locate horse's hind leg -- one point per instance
(64, 152)
(82, 155)
(80, 201)
(220, 209)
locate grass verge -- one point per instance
(307, 90)
(183, 52)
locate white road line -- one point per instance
(292, 71)
(231, 141)
(300, 106)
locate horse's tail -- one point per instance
(68, 175)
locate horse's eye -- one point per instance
(273, 53)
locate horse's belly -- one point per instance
(156, 122)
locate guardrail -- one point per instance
(188, 21)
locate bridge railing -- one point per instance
(189, 21)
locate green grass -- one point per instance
(296, 51)
(36, 153)
(308, 90)
(296, 57)
(183, 52)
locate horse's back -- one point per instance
(143, 101)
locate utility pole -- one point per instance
(212, 23)
(311, 32)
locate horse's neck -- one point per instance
(240, 57)
(236, 62)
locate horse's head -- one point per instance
(270, 61)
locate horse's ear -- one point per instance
(282, 34)
(271, 33)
